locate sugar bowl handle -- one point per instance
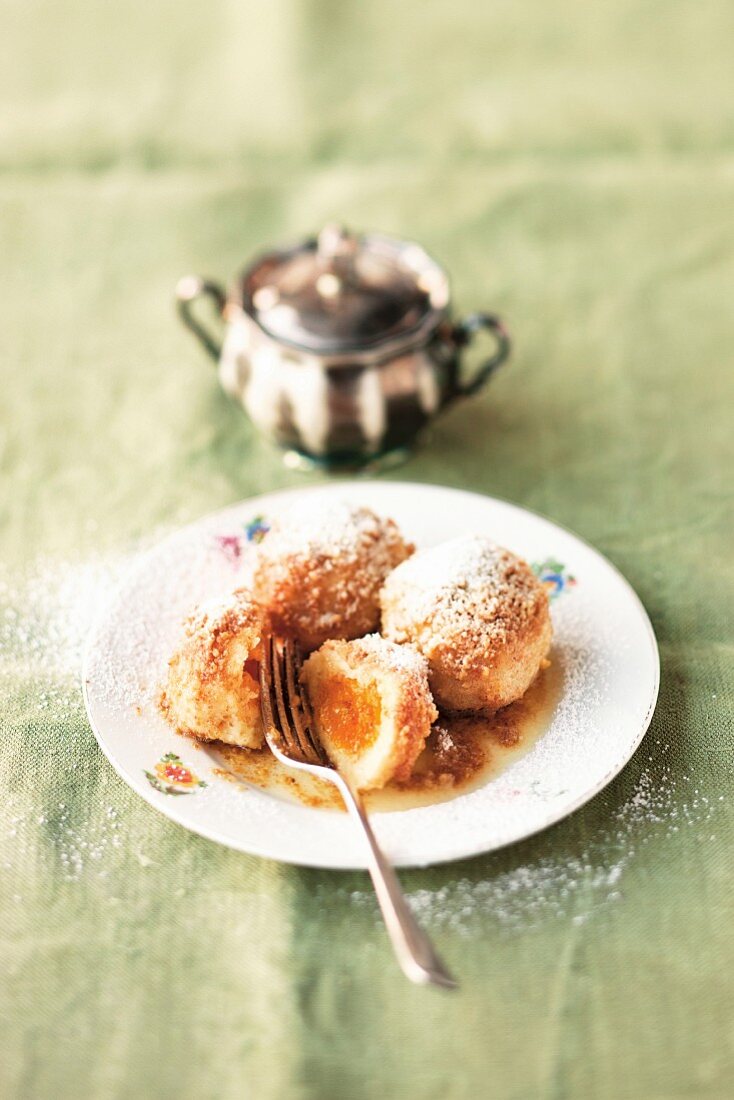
(188, 290)
(463, 334)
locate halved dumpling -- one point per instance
(372, 707)
(213, 689)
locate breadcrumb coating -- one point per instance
(479, 615)
(212, 692)
(320, 570)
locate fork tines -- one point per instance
(285, 709)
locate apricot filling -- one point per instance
(251, 674)
(349, 713)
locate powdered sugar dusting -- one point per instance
(463, 562)
(161, 592)
(467, 587)
(555, 883)
(336, 527)
(46, 613)
(399, 658)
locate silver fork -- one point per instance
(292, 737)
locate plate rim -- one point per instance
(168, 809)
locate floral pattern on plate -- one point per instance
(555, 576)
(172, 776)
(233, 545)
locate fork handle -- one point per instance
(414, 951)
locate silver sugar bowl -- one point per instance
(342, 348)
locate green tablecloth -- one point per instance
(572, 165)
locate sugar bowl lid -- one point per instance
(343, 292)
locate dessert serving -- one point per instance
(395, 639)
(481, 779)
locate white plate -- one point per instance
(602, 639)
